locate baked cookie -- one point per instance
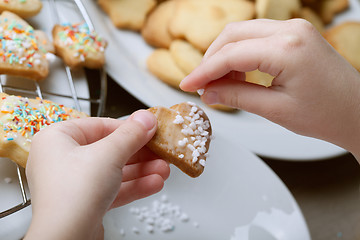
(277, 9)
(162, 65)
(128, 14)
(345, 38)
(311, 16)
(20, 52)
(21, 118)
(155, 31)
(78, 46)
(183, 137)
(327, 9)
(201, 21)
(23, 8)
(259, 78)
(185, 55)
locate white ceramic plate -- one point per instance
(237, 197)
(126, 56)
(14, 226)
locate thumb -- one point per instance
(127, 139)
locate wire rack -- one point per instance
(36, 91)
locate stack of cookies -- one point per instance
(182, 30)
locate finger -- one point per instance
(238, 31)
(247, 96)
(244, 56)
(138, 170)
(137, 189)
(83, 131)
(144, 154)
(126, 140)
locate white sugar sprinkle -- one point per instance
(161, 216)
(8, 180)
(201, 91)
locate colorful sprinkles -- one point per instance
(20, 1)
(18, 44)
(78, 37)
(20, 117)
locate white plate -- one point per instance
(237, 197)
(126, 57)
(14, 226)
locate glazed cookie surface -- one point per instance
(183, 137)
(78, 46)
(21, 118)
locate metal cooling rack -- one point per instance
(36, 91)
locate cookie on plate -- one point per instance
(155, 30)
(20, 52)
(162, 65)
(345, 38)
(127, 14)
(277, 9)
(327, 9)
(23, 8)
(201, 21)
(259, 78)
(183, 137)
(186, 56)
(21, 118)
(78, 46)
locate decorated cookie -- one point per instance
(21, 54)
(78, 46)
(23, 8)
(183, 137)
(21, 118)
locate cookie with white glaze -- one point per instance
(78, 46)
(21, 53)
(21, 118)
(183, 137)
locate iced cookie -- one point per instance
(78, 46)
(23, 8)
(21, 118)
(20, 52)
(183, 137)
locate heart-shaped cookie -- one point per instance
(183, 136)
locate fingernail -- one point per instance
(146, 118)
(210, 97)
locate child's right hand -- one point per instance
(315, 92)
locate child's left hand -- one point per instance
(77, 170)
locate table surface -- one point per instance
(327, 191)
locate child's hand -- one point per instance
(315, 91)
(77, 170)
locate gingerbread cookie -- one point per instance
(23, 8)
(183, 137)
(127, 14)
(78, 46)
(21, 118)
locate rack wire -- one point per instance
(36, 91)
